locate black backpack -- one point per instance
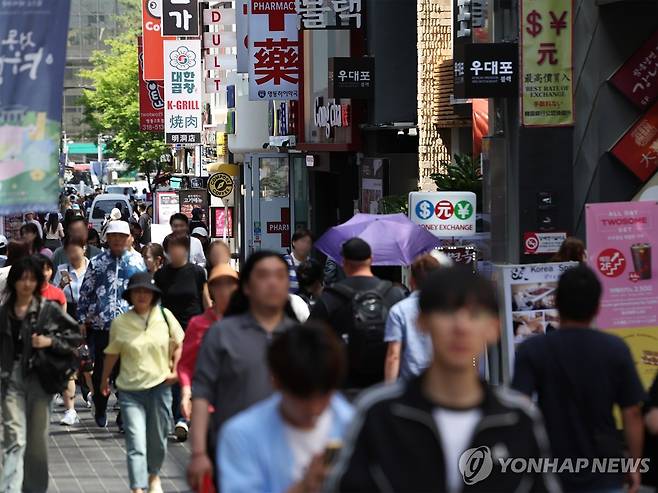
(362, 322)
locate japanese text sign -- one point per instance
(638, 148)
(637, 79)
(274, 63)
(32, 59)
(183, 122)
(180, 17)
(152, 40)
(444, 214)
(193, 199)
(547, 63)
(352, 78)
(620, 239)
(491, 70)
(151, 99)
(320, 14)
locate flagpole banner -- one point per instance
(33, 53)
(547, 63)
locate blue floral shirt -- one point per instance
(101, 294)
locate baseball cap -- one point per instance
(200, 231)
(118, 227)
(356, 250)
(223, 270)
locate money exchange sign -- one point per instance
(444, 214)
(547, 63)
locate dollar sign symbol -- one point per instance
(535, 26)
(425, 210)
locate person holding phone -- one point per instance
(286, 443)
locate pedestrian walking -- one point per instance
(101, 301)
(180, 223)
(31, 218)
(30, 233)
(280, 444)
(198, 220)
(185, 294)
(77, 227)
(48, 290)
(420, 434)
(222, 283)
(231, 371)
(54, 232)
(154, 257)
(148, 340)
(201, 234)
(572, 250)
(578, 374)
(302, 243)
(218, 253)
(136, 235)
(16, 250)
(357, 309)
(28, 325)
(409, 350)
(145, 221)
(311, 282)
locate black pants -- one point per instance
(97, 340)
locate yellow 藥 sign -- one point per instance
(547, 63)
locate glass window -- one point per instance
(103, 208)
(274, 178)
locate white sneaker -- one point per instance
(58, 400)
(89, 401)
(70, 418)
(181, 431)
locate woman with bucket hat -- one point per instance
(148, 340)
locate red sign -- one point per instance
(153, 39)
(151, 99)
(637, 79)
(638, 149)
(444, 209)
(281, 227)
(542, 243)
(221, 217)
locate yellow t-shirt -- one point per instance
(144, 347)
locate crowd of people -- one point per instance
(296, 376)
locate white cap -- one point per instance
(200, 231)
(115, 214)
(118, 227)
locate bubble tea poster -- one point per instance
(621, 239)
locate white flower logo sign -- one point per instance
(182, 58)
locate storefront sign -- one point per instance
(219, 17)
(637, 79)
(220, 185)
(274, 63)
(638, 148)
(321, 14)
(547, 63)
(281, 227)
(241, 32)
(542, 243)
(444, 214)
(183, 122)
(218, 60)
(461, 255)
(491, 70)
(153, 40)
(151, 99)
(193, 199)
(167, 204)
(352, 78)
(180, 17)
(221, 222)
(331, 115)
(32, 61)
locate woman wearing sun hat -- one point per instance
(148, 340)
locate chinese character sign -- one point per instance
(274, 63)
(32, 60)
(637, 79)
(638, 148)
(180, 17)
(547, 63)
(151, 98)
(182, 72)
(320, 14)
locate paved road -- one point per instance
(84, 458)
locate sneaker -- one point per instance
(181, 431)
(70, 418)
(58, 400)
(89, 400)
(101, 421)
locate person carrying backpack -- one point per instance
(357, 308)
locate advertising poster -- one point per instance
(638, 148)
(33, 39)
(151, 98)
(637, 78)
(183, 92)
(221, 222)
(167, 204)
(193, 199)
(547, 63)
(274, 63)
(444, 214)
(153, 40)
(620, 240)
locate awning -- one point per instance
(84, 148)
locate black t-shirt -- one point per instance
(182, 290)
(16, 327)
(578, 376)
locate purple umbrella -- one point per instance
(394, 239)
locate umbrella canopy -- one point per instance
(394, 239)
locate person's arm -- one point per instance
(86, 304)
(200, 464)
(392, 364)
(176, 336)
(108, 366)
(634, 434)
(207, 301)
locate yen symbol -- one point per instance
(463, 210)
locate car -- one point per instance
(120, 189)
(102, 206)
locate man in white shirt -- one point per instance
(30, 218)
(180, 223)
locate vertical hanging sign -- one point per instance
(152, 40)
(274, 64)
(151, 98)
(547, 63)
(180, 17)
(241, 31)
(182, 71)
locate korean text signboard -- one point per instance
(152, 40)
(167, 204)
(320, 14)
(151, 98)
(193, 199)
(638, 148)
(491, 70)
(274, 63)
(620, 241)
(180, 17)
(637, 79)
(183, 122)
(444, 214)
(352, 78)
(547, 63)
(32, 53)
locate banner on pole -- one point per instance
(33, 53)
(152, 39)
(151, 98)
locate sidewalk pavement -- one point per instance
(85, 458)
